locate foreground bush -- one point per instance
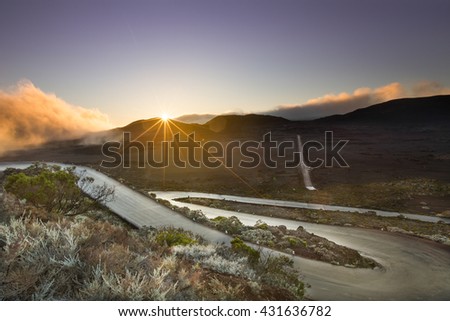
(172, 237)
(84, 259)
(66, 257)
(63, 261)
(57, 190)
(240, 247)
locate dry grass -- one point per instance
(87, 259)
(49, 256)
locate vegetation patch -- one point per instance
(56, 190)
(172, 237)
(240, 247)
(438, 232)
(229, 225)
(87, 257)
(77, 259)
(393, 195)
(293, 242)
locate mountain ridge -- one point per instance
(430, 109)
(418, 109)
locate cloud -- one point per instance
(29, 117)
(429, 88)
(342, 103)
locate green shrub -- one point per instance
(57, 190)
(230, 225)
(261, 225)
(173, 237)
(295, 241)
(50, 190)
(240, 247)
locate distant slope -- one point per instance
(435, 109)
(153, 130)
(239, 123)
(195, 118)
(423, 110)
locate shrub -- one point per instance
(57, 190)
(197, 216)
(216, 259)
(230, 225)
(196, 252)
(45, 261)
(172, 237)
(224, 291)
(240, 247)
(83, 259)
(39, 262)
(261, 225)
(279, 271)
(294, 241)
(128, 286)
(258, 236)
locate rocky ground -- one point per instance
(294, 242)
(438, 232)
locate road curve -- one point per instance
(414, 269)
(136, 208)
(262, 201)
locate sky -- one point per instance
(127, 60)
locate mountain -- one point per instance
(434, 109)
(195, 118)
(423, 110)
(154, 129)
(239, 123)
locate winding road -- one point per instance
(413, 268)
(173, 195)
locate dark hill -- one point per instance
(240, 123)
(435, 109)
(153, 130)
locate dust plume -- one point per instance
(29, 117)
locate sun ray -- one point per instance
(229, 169)
(165, 124)
(148, 129)
(157, 131)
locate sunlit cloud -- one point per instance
(342, 103)
(429, 88)
(29, 116)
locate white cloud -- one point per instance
(28, 117)
(342, 103)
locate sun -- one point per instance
(165, 117)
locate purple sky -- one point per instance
(137, 59)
